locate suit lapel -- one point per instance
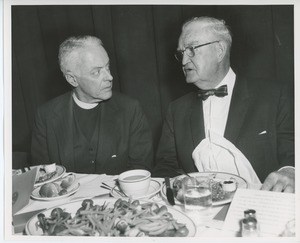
(63, 125)
(238, 110)
(196, 121)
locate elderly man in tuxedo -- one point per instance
(230, 124)
(91, 129)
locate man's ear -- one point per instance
(71, 79)
(221, 50)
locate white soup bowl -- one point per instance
(135, 183)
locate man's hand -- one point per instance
(280, 181)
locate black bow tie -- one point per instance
(220, 92)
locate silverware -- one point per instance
(170, 195)
(105, 186)
(103, 183)
(117, 190)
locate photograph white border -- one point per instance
(6, 113)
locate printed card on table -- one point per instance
(273, 211)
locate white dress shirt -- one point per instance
(215, 109)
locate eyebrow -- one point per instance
(193, 43)
(95, 68)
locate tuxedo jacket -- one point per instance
(124, 142)
(260, 124)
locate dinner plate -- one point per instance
(154, 188)
(36, 195)
(31, 227)
(60, 171)
(217, 176)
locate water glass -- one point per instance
(197, 194)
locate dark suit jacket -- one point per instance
(124, 132)
(256, 106)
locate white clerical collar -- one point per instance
(83, 105)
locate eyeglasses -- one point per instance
(190, 51)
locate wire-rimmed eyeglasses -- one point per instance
(190, 50)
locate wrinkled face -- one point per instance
(93, 81)
(200, 69)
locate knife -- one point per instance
(170, 195)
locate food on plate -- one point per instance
(50, 168)
(49, 190)
(68, 181)
(218, 191)
(123, 218)
(46, 172)
(59, 188)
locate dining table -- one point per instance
(90, 187)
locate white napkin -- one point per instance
(216, 153)
(90, 184)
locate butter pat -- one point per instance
(229, 185)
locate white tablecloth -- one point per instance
(90, 187)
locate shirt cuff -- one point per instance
(287, 167)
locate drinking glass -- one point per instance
(197, 194)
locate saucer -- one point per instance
(154, 188)
(36, 194)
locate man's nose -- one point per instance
(108, 75)
(185, 59)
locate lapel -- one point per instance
(238, 109)
(63, 125)
(109, 119)
(196, 120)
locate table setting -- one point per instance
(133, 204)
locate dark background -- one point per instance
(140, 41)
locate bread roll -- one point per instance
(49, 190)
(68, 181)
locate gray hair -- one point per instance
(215, 26)
(72, 44)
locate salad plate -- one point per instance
(33, 226)
(42, 177)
